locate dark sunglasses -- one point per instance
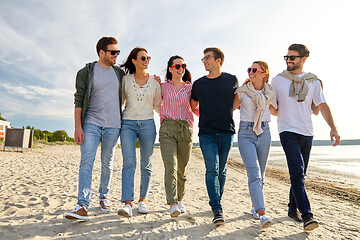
(143, 58)
(177, 66)
(292, 58)
(113, 52)
(254, 70)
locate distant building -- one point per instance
(3, 126)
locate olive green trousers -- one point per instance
(175, 138)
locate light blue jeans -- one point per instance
(254, 150)
(94, 135)
(145, 131)
(215, 150)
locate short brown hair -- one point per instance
(104, 42)
(217, 53)
(300, 48)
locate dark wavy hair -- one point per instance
(128, 65)
(187, 74)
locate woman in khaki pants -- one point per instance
(175, 135)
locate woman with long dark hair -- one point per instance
(175, 135)
(141, 95)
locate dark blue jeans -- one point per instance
(297, 149)
(215, 150)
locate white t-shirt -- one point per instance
(294, 116)
(247, 109)
(140, 100)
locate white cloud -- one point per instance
(44, 43)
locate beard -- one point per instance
(293, 68)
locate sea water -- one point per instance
(342, 158)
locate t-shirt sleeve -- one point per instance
(193, 92)
(318, 94)
(236, 84)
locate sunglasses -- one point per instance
(177, 66)
(254, 70)
(143, 58)
(292, 58)
(113, 52)
(207, 57)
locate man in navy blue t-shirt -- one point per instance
(214, 93)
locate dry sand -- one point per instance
(39, 186)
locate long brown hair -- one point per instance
(128, 65)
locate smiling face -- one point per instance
(139, 62)
(106, 56)
(257, 77)
(210, 63)
(177, 73)
(295, 65)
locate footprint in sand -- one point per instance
(45, 201)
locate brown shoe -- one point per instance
(294, 214)
(104, 205)
(310, 224)
(79, 213)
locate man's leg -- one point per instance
(88, 151)
(296, 166)
(209, 149)
(109, 140)
(225, 142)
(305, 147)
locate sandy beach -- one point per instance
(39, 186)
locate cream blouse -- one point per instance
(140, 101)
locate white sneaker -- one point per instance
(254, 213)
(142, 207)
(181, 207)
(265, 221)
(104, 205)
(126, 211)
(174, 211)
(79, 213)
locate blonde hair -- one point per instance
(264, 66)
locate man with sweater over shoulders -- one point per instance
(299, 95)
(214, 94)
(97, 120)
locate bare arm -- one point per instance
(326, 113)
(194, 104)
(236, 102)
(273, 110)
(78, 134)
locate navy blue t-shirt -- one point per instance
(215, 96)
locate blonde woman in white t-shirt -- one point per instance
(141, 95)
(256, 99)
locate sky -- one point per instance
(44, 43)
